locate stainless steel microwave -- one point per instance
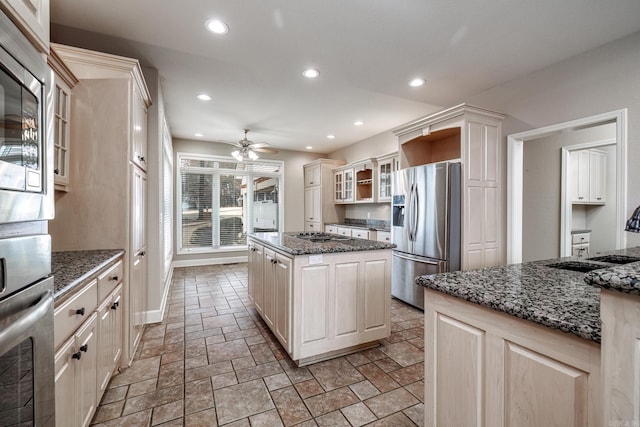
(26, 134)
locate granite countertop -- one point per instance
(72, 268)
(370, 224)
(560, 299)
(289, 243)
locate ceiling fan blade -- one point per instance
(260, 145)
(234, 143)
(265, 150)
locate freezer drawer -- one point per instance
(404, 269)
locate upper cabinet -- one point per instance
(366, 184)
(387, 164)
(343, 185)
(318, 194)
(139, 154)
(588, 177)
(64, 81)
(471, 135)
(32, 17)
(312, 174)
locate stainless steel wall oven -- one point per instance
(27, 386)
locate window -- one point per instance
(167, 198)
(221, 200)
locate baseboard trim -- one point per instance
(210, 261)
(156, 316)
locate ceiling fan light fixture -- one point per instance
(417, 82)
(216, 26)
(253, 155)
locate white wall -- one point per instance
(542, 179)
(293, 191)
(601, 80)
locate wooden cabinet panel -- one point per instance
(69, 315)
(597, 176)
(376, 291)
(383, 236)
(312, 175)
(458, 375)
(256, 275)
(269, 283)
(65, 384)
(313, 204)
(32, 17)
(345, 299)
(588, 177)
(540, 391)
(282, 321)
(314, 290)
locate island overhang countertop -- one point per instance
(561, 299)
(299, 243)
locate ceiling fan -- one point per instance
(247, 150)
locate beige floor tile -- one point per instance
(274, 382)
(404, 353)
(259, 371)
(142, 418)
(330, 401)
(364, 390)
(205, 418)
(416, 413)
(207, 371)
(108, 411)
(332, 419)
(198, 396)
(378, 377)
(227, 351)
(266, 419)
(224, 380)
(241, 401)
(408, 375)
(114, 394)
(358, 414)
(140, 370)
(167, 412)
(335, 373)
(155, 398)
(309, 388)
(395, 420)
(393, 401)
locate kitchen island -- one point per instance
(534, 344)
(322, 295)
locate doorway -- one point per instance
(515, 180)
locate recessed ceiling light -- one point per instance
(216, 26)
(204, 97)
(417, 82)
(199, 135)
(331, 136)
(308, 147)
(311, 73)
(358, 123)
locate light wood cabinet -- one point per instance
(344, 231)
(383, 236)
(473, 135)
(323, 306)
(333, 229)
(107, 207)
(483, 367)
(318, 178)
(343, 185)
(64, 81)
(361, 233)
(88, 328)
(32, 17)
(387, 164)
(588, 177)
(76, 376)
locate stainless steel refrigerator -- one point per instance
(425, 226)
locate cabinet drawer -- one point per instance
(68, 317)
(383, 236)
(331, 229)
(344, 231)
(360, 234)
(580, 238)
(108, 280)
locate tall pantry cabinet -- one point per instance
(106, 207)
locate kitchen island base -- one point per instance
(321, 305)
(484, 367)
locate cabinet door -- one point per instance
(61, 119)
(312, 227)
(347, 195)
(256, 278)
(32, 17)
(86, 379)
(580, 176)
(312, 204)
(139, 130)
(383, 236)
(137, 296)
(118, 323)
(359, 233)
(139, 209)
(597, 176)
(312, 175)
(105, 338)
(269, 286)
(344, 231)
(384, 180)
(331, 229)
(338, 186)
(282, 300)
(65, 367)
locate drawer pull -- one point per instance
(76, 355)
(84, 347)
(114, 278)
(115, 305)
(80, 311)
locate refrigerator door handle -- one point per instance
(416, 207)
(418, 259)
(409, 217)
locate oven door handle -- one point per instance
(19, 327)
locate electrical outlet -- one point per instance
(368, 215)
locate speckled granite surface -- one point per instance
(72, 268)
(560, 299)
(371, 224)
(289, 243)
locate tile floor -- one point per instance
(213, 362)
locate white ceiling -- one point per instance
(366, 51)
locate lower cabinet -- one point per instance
(76, 382)
(89, 341)
(276, 280)
(483, 367)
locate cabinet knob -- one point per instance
(141, 158)
(114, 278)
(115, 305)
(56, 171)
(84, 347)
(77, 355)
(580, 198)
(143, 253)
(80, 311)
